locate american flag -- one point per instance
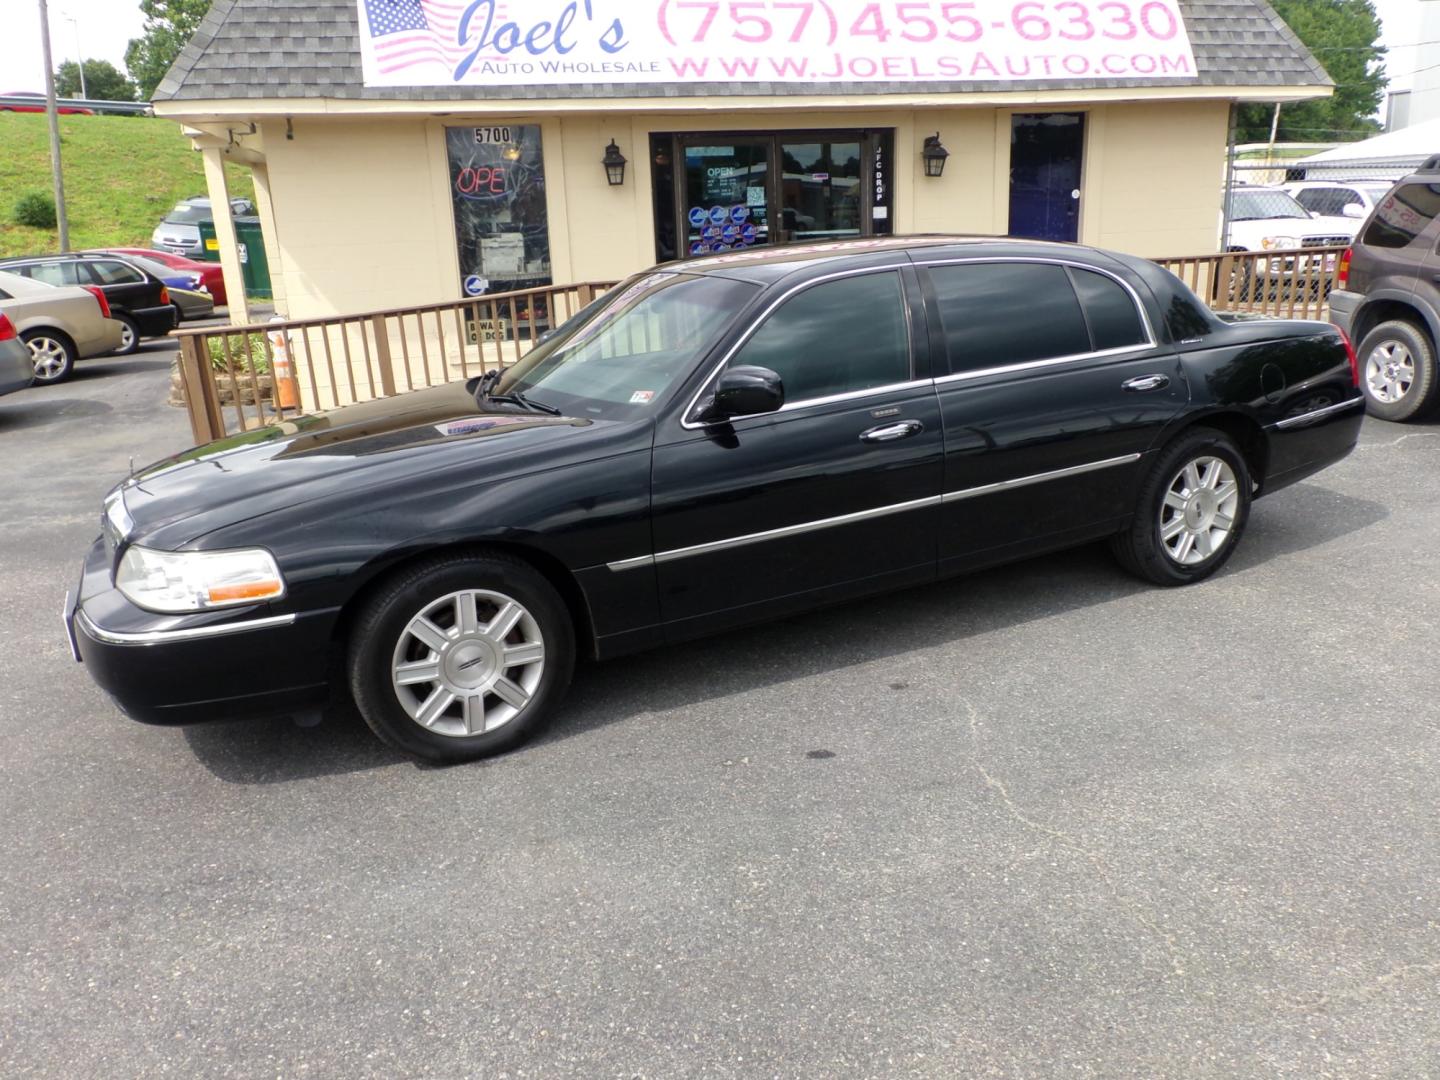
(408, 33)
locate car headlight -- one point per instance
(1280, 243)
(179, 581)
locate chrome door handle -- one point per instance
(890, 432)
(1141, 383)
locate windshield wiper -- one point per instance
(515, 397)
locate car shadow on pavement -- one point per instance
(690, 674)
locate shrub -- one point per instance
(238, 345)
(37, 210)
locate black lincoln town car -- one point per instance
(716, 442)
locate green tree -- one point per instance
(1342, 34)
(103, 81)
(169, 26)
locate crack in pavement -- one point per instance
(1361, 993)
(1397, 441)
(997, 785)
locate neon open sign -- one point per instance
(483, 181)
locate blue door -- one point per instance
(1045, 153)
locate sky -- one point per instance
(106, 26)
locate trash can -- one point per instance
(209, 245)
(254, 265)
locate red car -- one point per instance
(63, 110)
(211, 275)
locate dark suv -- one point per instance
(138, 300)
(1388, 299)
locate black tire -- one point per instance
(381, 638)
(1382, 354)
(53, 354)
(1142, 548)
(131, 342)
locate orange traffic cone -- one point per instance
(287, 387)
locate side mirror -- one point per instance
(743, 391)
(1352, 210)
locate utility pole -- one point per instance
(79, 54)
(53, 113)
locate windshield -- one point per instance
(619, 360)
(1255, 205)
(1376, 192)
(189, 213)
(150, 266)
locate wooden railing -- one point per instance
(1292, 284)
(234, 376)
(231, 382)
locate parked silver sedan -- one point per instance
(60, 324)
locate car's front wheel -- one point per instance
(52, 353)
(1192, 509)
(461, 656)
(1397, 370)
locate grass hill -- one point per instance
(122, 173)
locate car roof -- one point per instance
(763, 265)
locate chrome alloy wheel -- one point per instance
(1389, 371)
(127, 337)
(468, 663)
(49, 357)
(1199, 510)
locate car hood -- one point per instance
(375, 446)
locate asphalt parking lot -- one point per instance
(1041, 822)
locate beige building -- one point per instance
(379, 196)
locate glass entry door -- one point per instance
(735, 192)
(726, 205)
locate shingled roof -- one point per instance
(311, 49)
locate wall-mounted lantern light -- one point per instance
(934, 155)
(614, 163)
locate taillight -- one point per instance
(98, 293)
(1350, 355)
(164, 296)
(7, 328)
(1342, 272)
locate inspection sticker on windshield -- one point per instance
(642, 397)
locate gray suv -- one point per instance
(1388, 299)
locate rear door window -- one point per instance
(1403, 216)
(56, 273)
(835, 338)
(1109, 309)
(998, 314)
(108, 272)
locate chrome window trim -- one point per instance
(162, 637)
(1038, 478)
(1316, 414)
(693, 425)
(774, 534)
(1002, 369)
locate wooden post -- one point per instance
(202, 403)
(382, 355)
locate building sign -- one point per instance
(550, 42)
(497, 187)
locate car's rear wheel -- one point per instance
(1191, 511)
(129, 334)
(461, 656)
(52, 353)
(1397, 371)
